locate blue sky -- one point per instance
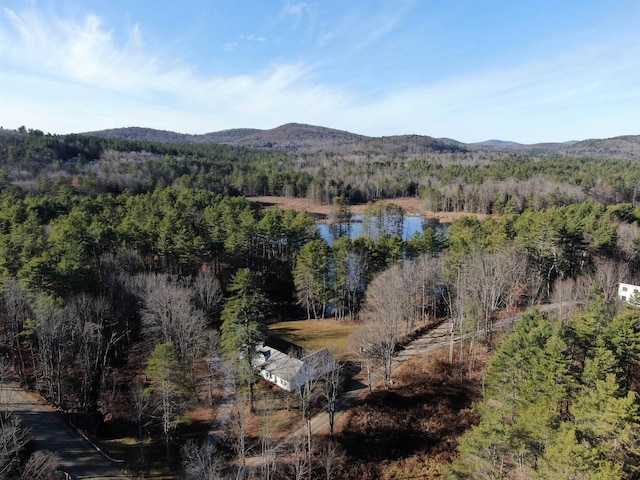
(526, 71)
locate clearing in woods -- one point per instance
(411, 205)
(314, 335)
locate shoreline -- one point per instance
(412, 206)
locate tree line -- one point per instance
(91, 277)
(464, 181)
(560, 401)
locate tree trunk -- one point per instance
(251, 405)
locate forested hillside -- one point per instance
(560, 401)
(119, 255)
(446, 174)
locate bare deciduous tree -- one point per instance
(42, 465)
(331, 459)
(360, 342)
(376, 341)
(93, 338)
(140, 403)
(51, 332)
(330, 389)
(200, 462)
(300, 467)
(390, 316)
(608, 274)
(16, 303)
(308, 395)
(238, 432)
(483, 283)
(13, 440)
(627, 235)
(424, 281)
(208, 293)
(170, 314)
(268, 430)
(564, 298)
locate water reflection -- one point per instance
(353, 229)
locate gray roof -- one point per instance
(288, 368)
(278, 363)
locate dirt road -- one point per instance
(51, 432)
(438, 337)
(433, 339)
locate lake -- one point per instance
(411, 225)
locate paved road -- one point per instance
(51, 432)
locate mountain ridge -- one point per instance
(290, 136)
(311, 138)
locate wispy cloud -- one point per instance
(356, 30)
(254, 38)
(534, 101)
(230, 46)
(383, 24)
(297, 10)
(84, 52)
(75, 75)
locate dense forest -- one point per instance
(560, 401)
(123, 259)
(448, 176)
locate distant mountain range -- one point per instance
(310, 138)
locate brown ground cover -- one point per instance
(412, 430)
(412, 205)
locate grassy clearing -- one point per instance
(277, 409)
(314, 335)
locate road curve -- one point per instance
(50, 432)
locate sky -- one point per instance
(472, 70)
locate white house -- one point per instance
(290, 373)
(627, 292)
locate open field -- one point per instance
(412, 205)
(314, 335)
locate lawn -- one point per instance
(314, 335)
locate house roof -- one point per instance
(287, 368)
(316, 363)
(278, 363)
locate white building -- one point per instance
(628, 292)
(290, 373)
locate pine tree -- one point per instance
(169, 385)
(311, 276)
(243, 328)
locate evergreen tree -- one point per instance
(311, 276)
(169, 386)
(243, 328)
(558, 402)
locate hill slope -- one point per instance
(310, 138)
(291, 136)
